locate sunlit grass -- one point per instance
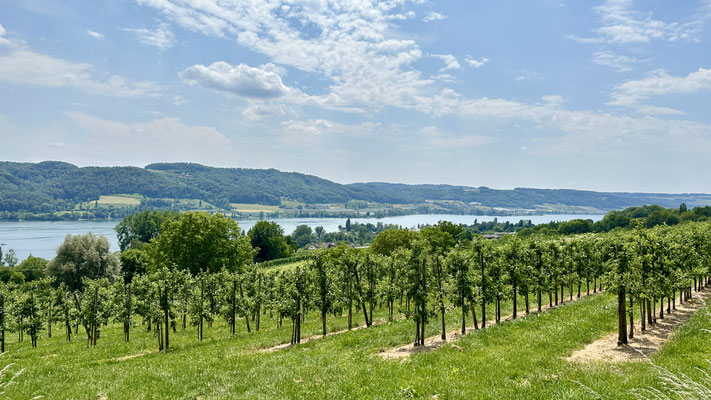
(523, 359)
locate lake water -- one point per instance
(41, 238)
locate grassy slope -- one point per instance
(522, 359)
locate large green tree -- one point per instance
(33, 268)
(142, 227)
(268, 238)
(200, 242)
(83, 256)
(303, 235)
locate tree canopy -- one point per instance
(83, 256)
(268, 238)
(200, 242)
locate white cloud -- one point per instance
(241, 79)
(434, 16)
(632, 93)
(4, 41)
(160, 37)
(553, 100)
(350, 44)
(477, 63)
(321, 127)
(450, 61)
(621, 24)
(95, 35)
(526, 75)
(619, 62)
(258, 111)
(445, 77)
(432, 136)
(352, 47)
(161, 139)
(23, 66)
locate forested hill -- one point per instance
(523, 197)
(54, 186)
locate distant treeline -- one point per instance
(49, 187)
(649, 216)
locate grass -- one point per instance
(255, 208)
(521, 359)
(287, 267)
(118, 201)
(114, 201)
(291, 203)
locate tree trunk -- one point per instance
(515, 298)
(621, 317)
(476, 324)
(464, 319)
(233, 311)
(642, 314)
(483, 290)
(246, 317)
(167, 318)
(631, 335)
(202, 301)
(540, 305)
(2, 324)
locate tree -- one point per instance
(320, 232)
(230, 300)
(416, 277)
(302, 235)
(457, 264)
(33, 268)
(10, 258)
(83, 256)
(95, 307)
(134, 262)
(140, 228)
(322, 278)
(268, 238)
(200, 242)
(392, 239)
(440, 242)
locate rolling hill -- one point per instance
(53, 186)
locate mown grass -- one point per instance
(287, 267)
(255, 208)
(523, 359)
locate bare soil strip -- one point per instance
(377, 322)
(644, 344)
(435, 342)
(130, 356)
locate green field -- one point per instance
(113, 201)
(521, 359)
(287, 267)
(239, 207)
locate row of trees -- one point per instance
(195, 268)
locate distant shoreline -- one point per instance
(44, 218)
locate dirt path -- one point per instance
(644, 344)
(130, 356)
(377, 322)
(435, 342)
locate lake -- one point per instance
(41, 238)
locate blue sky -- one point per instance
(608, 95)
